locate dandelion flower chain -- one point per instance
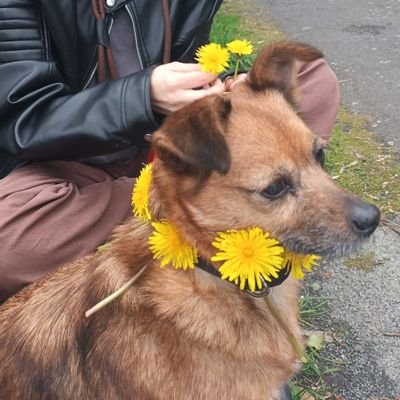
(141, 194)
(213, 58)
(168, 246)
(240, 47)
(247, 255)
(298, 262)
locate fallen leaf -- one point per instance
(307, 396)
(315, 286)
(316, 340)
(352, 164)
(359, 155)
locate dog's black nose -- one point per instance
(364, 217)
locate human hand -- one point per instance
(172, 86)
(230, 83)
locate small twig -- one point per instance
(393, 334)
(340, 343)
(114, 295)
(391, 225)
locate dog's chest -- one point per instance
(195, 371)
(213, 356)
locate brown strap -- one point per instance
(104, 51)
(167, 32)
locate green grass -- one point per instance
(360, 163)
(310, 381)
(232, 22)
(311, 308)
(365, 261)
(227, 27)
(229, 24)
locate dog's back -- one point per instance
(178, 335)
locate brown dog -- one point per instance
(246, 159)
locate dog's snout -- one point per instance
(364, 217)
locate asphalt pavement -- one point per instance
(361, 41)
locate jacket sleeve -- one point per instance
(42, 119)
(193, 31)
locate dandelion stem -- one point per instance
(114, 295)
(297, 348)
(236, 69)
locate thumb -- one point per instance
(217, 88)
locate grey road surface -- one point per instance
(361, 40)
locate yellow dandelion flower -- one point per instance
(213, 58)
(168, 246)
(141, 193)
(248, 254)
(240, 47)
(299, 261)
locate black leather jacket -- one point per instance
(47, 58)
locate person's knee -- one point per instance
(319, 97)
(29, 237)
(47, 221)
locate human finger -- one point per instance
(230, 83)
(217, 87)
(193, 79)
(192, 95)
(239, 79)
(183, 67)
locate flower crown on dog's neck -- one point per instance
(250, 257)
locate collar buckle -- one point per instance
(259, 293)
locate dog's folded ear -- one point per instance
(191, 141)
(275, 67)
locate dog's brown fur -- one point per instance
(186, 334)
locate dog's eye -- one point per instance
(276, 189)
(320, 156)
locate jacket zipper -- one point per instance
(132, 16)
(93, 69)
(92, 72)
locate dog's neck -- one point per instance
(177, 292)
(167, 204)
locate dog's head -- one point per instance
(248, 159)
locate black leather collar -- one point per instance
(282, 276)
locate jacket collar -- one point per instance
(114, 5)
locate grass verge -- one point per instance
(360, 163)
(310, 383)
(234, 22)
